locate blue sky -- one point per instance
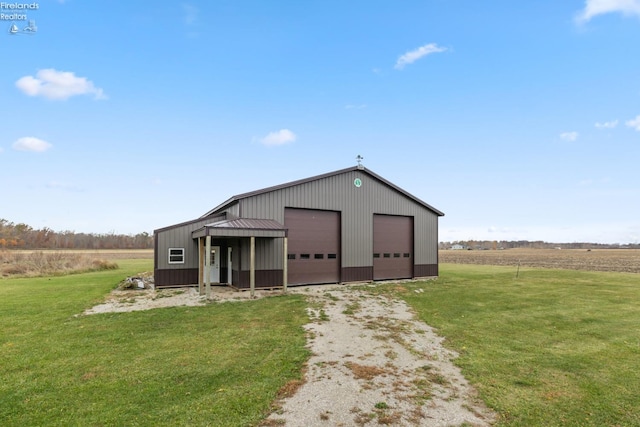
(519, 120)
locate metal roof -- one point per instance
(242, 227)
(238, 197)
(248, 223)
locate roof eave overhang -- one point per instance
(221, 206)
(237, 232)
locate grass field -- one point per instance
(551, 348)
(218, 365)
(621, 260)
(548, 348)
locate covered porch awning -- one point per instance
(240, 228)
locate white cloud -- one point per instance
(414, 55)
(634, 123)
(30, 143)
(53, 84)
(569, 136)
(594, 8)
(281, 137)
(607, 125)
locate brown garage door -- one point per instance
(392, 247)
(314, 246)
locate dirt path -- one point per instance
(372, 362)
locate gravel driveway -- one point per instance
(372, 362)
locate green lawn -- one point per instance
(218, 365)
(552, 347)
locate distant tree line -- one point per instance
(23, 236)
(538, 244)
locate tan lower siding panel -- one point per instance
(175, 277)
(357, 274)
(425, 270)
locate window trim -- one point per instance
(181, 254)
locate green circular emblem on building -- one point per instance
(357, 182)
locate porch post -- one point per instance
(207, 266)
(285, 264)
(200, 266)
(252, 267)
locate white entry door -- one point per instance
(214, 277)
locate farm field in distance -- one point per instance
(620, 260)
(110, 254)
(38, 263)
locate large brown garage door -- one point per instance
(314, 246)
(392, 247)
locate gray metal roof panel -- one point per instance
(248, 224)
(242, 227)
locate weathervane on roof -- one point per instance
(359, 159)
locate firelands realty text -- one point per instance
(16, 11)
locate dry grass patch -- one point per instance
(48, 263)
(290, 388)
(271, 422)
(385, 418)
(365, 372)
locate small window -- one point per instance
(376, 255)
(291, 256)
(318, 256)
(396, 255)
(176, 255)
(387, 255)
(305, 256)
(406, 255)
(332, 256)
